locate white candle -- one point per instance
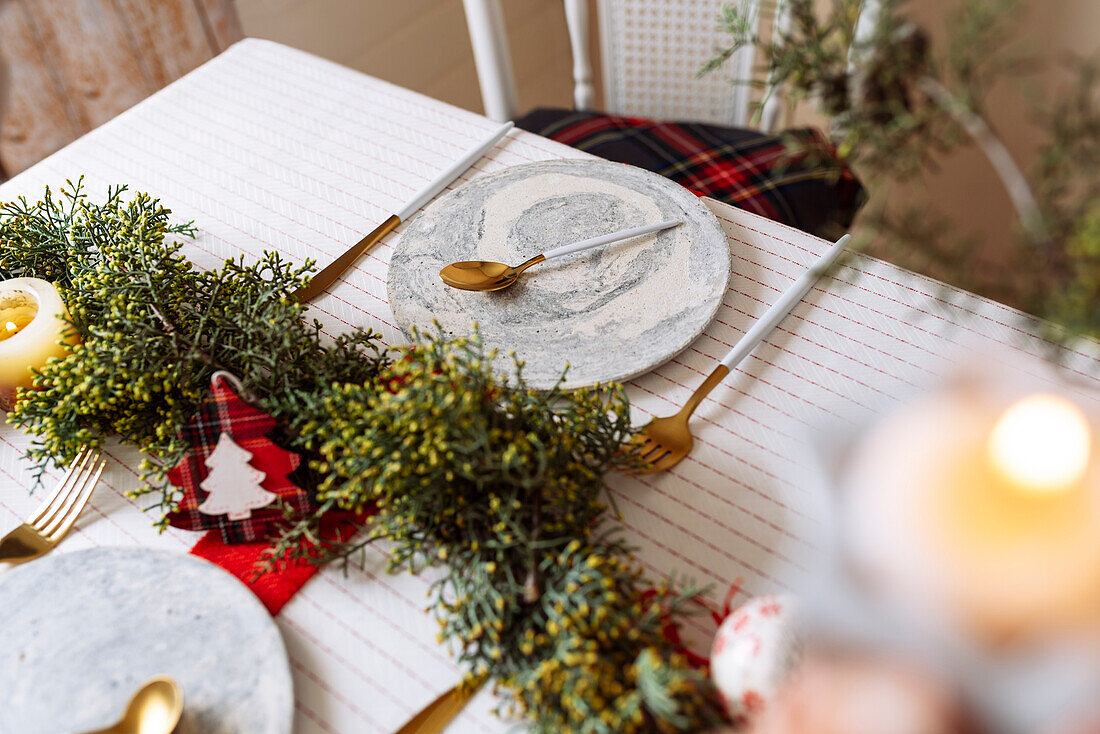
(981, 514)
(31, 332)
(1041, 444)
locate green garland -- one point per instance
(496, 484)
(153, 328)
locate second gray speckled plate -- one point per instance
(612, 313)
(82, 631)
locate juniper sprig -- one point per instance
(500, 486)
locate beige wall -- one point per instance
(423, 44)
(966, 189)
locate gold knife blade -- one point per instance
(435, 717)
(332, 272)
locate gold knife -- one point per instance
(435, 717)
(322, 280)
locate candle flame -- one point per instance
(10, 326)
(1041, 444)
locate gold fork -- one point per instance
(55, 517)
(664, 442)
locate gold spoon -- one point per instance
(485, 275)
(154, 709)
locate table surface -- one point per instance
(266, 147)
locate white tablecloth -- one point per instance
(266, 147)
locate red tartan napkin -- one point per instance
(240, 559)
(274, 588)
(239, 545)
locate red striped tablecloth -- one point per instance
(266, 147)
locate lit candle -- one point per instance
(31, 331)
(981, 514)
(1041, 444)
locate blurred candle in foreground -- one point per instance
(981, 513)
(31, 329)
(1041, 444)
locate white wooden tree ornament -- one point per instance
(233, 484)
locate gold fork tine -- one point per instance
(74, 482)
(64, 522)
(55, 517)
(64, 489)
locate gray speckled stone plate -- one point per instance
(79, 632)
(610, 313)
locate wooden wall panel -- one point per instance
(92, 53)
(71, 65)
(223, 27)
(39, 118)
(154, 27)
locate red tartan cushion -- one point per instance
(794, 177)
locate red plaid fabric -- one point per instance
(248, 427)
(794, 177)
(276, 586)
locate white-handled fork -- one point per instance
(664, 442)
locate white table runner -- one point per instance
(266, 147)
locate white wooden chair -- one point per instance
(651, 50)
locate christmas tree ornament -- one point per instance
(234, 485)
(233, 477)
(754, 651)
